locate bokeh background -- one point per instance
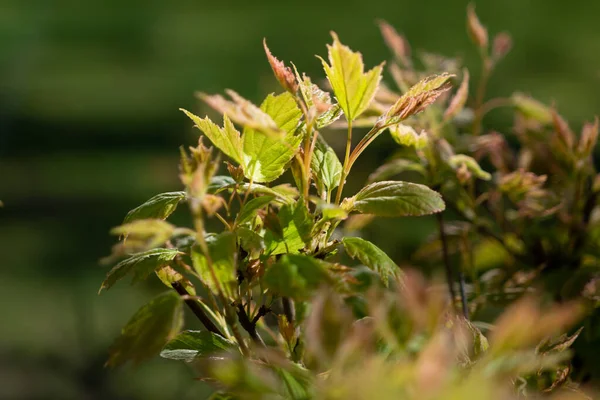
(90, 128)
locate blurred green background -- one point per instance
(89, 128)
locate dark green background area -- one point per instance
(90, 128)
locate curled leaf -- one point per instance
(460, 98)
(241, 111)
(418, 97)
(501, 46)
(458, 160)
(396, 42)
(531, 108)
(284, 74)
(405, 135)
(476, 30)
(588, 139)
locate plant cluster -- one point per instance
(286, 316)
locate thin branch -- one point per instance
(449, 274)
(196, 309)
(248, 325)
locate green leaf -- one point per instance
(248, 211)
(326, 167)
(353, 88)
(395, 167)
(140, 264)
(168, 276)
(219, 183)
(250, 241)
(295, 224)
(318, 100)
(160, 207)
(222, 396)
(372, 256)
(189, 345)
(266, 155)
(405, 135)
(227, 139)
(150, 328)
(457, 160)
(531, 108)
(395, 199)
(222, 250)
(296, 276)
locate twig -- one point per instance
(449, 275)
(196, 309)
(250, 326)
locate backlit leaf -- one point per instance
(405, 135)
(319, 103)
(241, 111)
(189, 345)
(372, 256)
(418, 97)
(140, 265)
(169, 275)
(266, 156)
(295, 224)
(150, 328)
(227, 139)
(395, 199)
(353, 88)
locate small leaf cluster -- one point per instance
(293, 307)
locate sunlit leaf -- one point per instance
(189, 345)
(295, 225)
(319, 103)
(405, 135)
(160, 206)
(150, 328)
(353, 88)
(266, 156)
(140, 265)
(284, 74)
(169, 275)
(417, 98)
(395, 199)
(241, 111)
(372, 256)
(227, 139)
